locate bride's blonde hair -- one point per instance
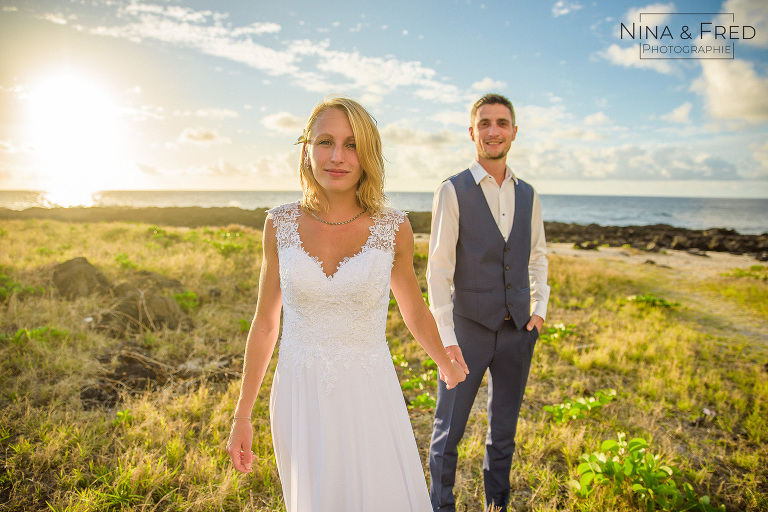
(370, 188)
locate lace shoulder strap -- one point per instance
(385, 225)
(284, 219)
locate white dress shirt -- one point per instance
(445, 234)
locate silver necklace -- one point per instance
(336, 223)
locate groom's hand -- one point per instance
(535, 321)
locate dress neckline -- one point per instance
(344, 260)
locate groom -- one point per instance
(488, 292)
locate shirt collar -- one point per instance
(478, 173)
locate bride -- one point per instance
(341, 433)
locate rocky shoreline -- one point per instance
(651, 238)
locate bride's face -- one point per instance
(332, 152)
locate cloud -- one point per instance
(652, 14)
(284, 122)
(257, 29)
(226, 169)
(184, 27)
(562, 7)
(144, 113)
(425, 164)
(281, 165)
(732, 89)
(630, 58)
(454, 117)
(441, 92)
(183, 14)
(6, 147)
(313, 65)
(553, 160)
(760, 154)
(202, 137)
(533, 117)
(680, 114)
(210, 113)
(487, 84)
(148, 169)
(58, 19)
(400, 134)
(371, 99)
(596, 119)
(753, 13)
(576, 133)
(373, 75)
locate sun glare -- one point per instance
(75, 133)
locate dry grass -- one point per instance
(162, 448)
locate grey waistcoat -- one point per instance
(491, 276)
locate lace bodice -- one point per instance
(338, 320)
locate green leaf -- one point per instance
(586, 479)
(637, 444)
(610, 446)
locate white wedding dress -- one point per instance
(342, 437)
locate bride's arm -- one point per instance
(415, 312)
(259, 347)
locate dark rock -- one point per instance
(680, 243)
(763, 256)
(147, 279)
(587, 246)
(136, 310)
(125, 290)
(717, 243)
(137, 371)
(78, 278)
(653, 247)
(100, 393)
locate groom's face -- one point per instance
(493, 131)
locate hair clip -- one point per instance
(300, 140)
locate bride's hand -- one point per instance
(239, 445)
(454, 375)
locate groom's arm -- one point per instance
(538, 268)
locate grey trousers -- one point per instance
(507, 354)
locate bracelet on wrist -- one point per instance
(241, 418)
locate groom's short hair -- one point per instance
(491, 99)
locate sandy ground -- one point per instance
(682, 260)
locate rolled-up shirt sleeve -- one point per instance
(442, 260)
(538, 266)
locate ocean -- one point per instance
(746, 216)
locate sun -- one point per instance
(75, 132)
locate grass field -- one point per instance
(687, 357)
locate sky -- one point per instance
(212, 95)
